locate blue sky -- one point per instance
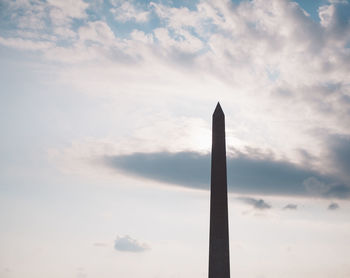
(106, 132)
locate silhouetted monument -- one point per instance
(219, 254)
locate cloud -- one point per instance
(182, 41)
(188, 169)
(97, 31)
(182, 18)
(36, 15)
(291, 207)
(69, 9)
(333, 206)
(256, 203)
(249, 47)
(127, 11)
(248, 52)
(25, 44)
(248, 173)
(335, 17)
(127, 244)
(239, 43)
(338, 147)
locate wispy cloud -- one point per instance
(128, 11)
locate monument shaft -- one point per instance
(219, 255)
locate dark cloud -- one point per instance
(339, 152)
(333, 206)
(256, 203)
(127, 244)
(250, 173)
(187, 169)
(291, 206)
(340, 191)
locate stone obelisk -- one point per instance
(219, 255)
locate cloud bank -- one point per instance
(246, 174)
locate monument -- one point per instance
(219, 254)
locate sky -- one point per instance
(105, 142)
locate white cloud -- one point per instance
(35, 14)
(140, 36)
(64, 32)
(182, 40)
(70, 8)
(97, 31)
(27, 14)
(24, 44)
(127, 11)
(178, 17)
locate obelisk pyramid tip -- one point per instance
(218, 110)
